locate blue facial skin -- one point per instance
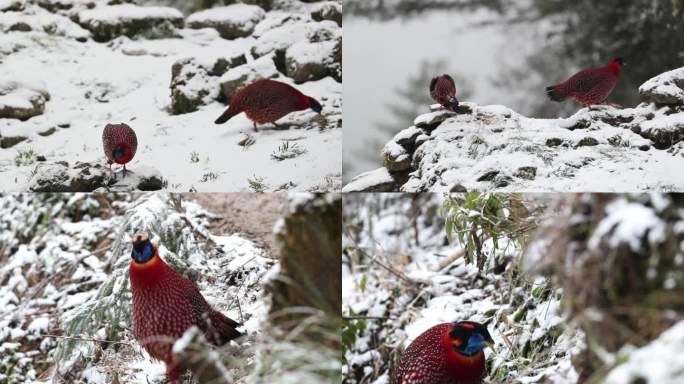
(143, 254)
(475, 345)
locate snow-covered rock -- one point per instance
(11, 5)
(307, 61)
(40, 20)
(379, 180)
(108, 22)
(22, 99)
(282, 37)
(195, 82)
(661, 361)
(328, 10)
(236, 78)
(87, 177)
(667, 88)
(232, 21)
(494, 148)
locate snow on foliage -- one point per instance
(401, 277)
(65, 273)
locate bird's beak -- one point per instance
(490, 344)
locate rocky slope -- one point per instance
(494, 148)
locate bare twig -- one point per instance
(89, 339)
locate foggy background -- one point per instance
(498, 51)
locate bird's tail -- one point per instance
(557, 92)
(453, 104)
(227, 115)
(224, 329)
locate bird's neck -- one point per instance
(462, 366)
(615, 68)
(304, 102)
(125, 154)
(149, 273)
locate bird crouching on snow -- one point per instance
(443, 91)
(590, 86)
(166, 304)
(120, 144)
(266, 101)
(448, 353)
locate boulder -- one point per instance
(232, 21)
(396, 158)
(265, 4)
(195, 83)
(306, 61)
(88, 177)
(664, 132)
(11, 141)
(108, 22)
(22, 100)
(664, 89)
(39, 20)
(236, 78)
(379, 180)
(11, 5)
(329, 10)
(282, 37)
(60, 177)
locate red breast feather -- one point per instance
(590, 86)
(119, 138)
(430, 359)
(165, 305)
(265, 101)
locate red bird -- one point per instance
(448, 353)
(590, 86)
(120, 143)
(166, 304)
(266, 101)
(443, 91)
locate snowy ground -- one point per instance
(430, 283)
(92, 84)
(63, 272)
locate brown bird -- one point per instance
(266, 101)
(588, 87)
(443, 91)
(120, 144)
(166, 304)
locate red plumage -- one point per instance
(590, 86)
(443, 91)
(266, 101)
(434, 357)
(166, 304)
(120, 143)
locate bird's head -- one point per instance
(618, 61)
(469, 338)
(119, 153)
(315, 105)
(143, 249)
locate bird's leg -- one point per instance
(124, 170)
(255, 127)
